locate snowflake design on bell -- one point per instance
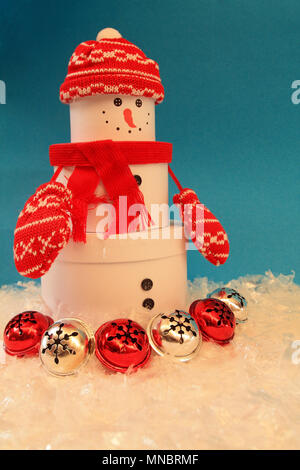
(175, 335)
(128, 335)
(59, 342)
(181, 322)
(66, 346)
(232, 293)
(233, 299)
(225, 316)
(19, 321)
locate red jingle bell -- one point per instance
(121, 344)
(23, 333)
(215, 320)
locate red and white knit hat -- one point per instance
(111, 65)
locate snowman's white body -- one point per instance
(104, 278)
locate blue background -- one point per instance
(227, 67)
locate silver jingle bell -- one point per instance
(66, 346)
(176, 335)
(235, 301)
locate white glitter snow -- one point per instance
(242, 396)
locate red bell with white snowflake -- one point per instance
(122, 344)
(23, 333)
(215, 320)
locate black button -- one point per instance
(117, 101)
(148, 303)
(138, 179)
(147, 284)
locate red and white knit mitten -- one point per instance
(203, 227)
(43, 229)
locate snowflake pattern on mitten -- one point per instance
(203, 227)
(43, 229)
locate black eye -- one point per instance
(117, 101)
(138, 102)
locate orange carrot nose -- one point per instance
(128, 117)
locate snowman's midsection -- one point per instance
(153, 183)
(106, 279)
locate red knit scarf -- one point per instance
(106, 161)
(109, 161)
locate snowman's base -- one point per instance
(104, 279)
(244, 395)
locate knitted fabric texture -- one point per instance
(108, 164)
(111, 66)
(43, 229)
(203, 227)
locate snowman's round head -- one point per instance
(116, 117)
(113, 74)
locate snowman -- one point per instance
(86, 232)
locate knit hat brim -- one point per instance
(74, 88)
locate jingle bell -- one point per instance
(121, 344)
(66, 346)
(176, 335)
(235, 301)
(214, 319)
(23, 333)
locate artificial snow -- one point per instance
(245, 395)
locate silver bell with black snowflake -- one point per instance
(175, 335)
(235, 301)
(66, 346)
